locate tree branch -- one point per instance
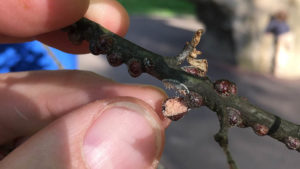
(190, 81)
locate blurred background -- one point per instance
(243, 44)
(254, 43)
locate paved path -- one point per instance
(189, 142)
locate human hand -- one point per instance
(26, 20)
(77, 119)
(74, 119)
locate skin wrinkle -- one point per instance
(20, 114)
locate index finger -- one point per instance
(25, 18)
(31, 100)
(108, 13)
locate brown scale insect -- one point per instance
(134, 67)
(102, 45)
(225, 87)
(176, 85)
(234, 117)
(175, 108)
(292, 143)
(260, 129)
(194, 100)
(114, 59)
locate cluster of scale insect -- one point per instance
(176, 107)
(173, 108)
(101, 43)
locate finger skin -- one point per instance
(31, 100)
(108, 13)
(59, 40)
(9, 39)
(27, 18)
(61, 144)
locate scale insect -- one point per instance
(176, 85)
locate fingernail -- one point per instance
(125, 136)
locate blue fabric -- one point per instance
(277, 27)
(32, 56)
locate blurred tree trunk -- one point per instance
(239, 27)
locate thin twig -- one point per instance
(219, 96)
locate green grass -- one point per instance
(160, 7)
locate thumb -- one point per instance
(120, 133)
